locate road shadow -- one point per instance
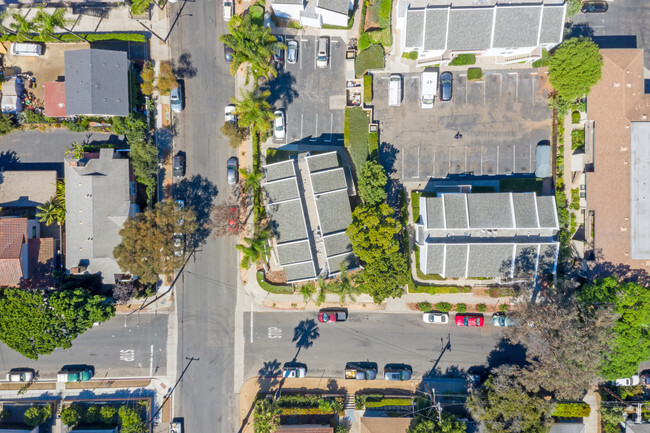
(199, 193)
(387, 158)
(8, 159)
(578, 30)
(281, 88)
(304, 335)
(506, 353)
(615, 41)
(184, 67)
(268, 375)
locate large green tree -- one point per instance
(503, 405)
(266, 418)
(630, 339)
(144, 159)
(386, 277)
(147, 247)
(373, 232)
(372, 183)
(254, 249)
(47, 23)
(22, 27)
(33, 323)
(254, 111)
(431, 424)
(575, 67)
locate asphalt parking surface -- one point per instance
(313, 98)
(501, 118)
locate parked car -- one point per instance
(627, 381)
(227, 53)
(469, 320)
(232, 168)
(446, 80)
(278, 55)
(179, 165)
(75, 375)
(228, 10)
(291, 370)
(292, 51)
(278, 125)
(179, 244)
(501, 320)
(230, 116)
(594, 7)
(645, 377)
(20, 375)
(176, 99)
(176, 426)
(26, 49)
(397, 372)
(361, 370)
(332, 316)
(181, 207)
(323, 55)
(435, 317)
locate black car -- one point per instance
(179, 165)
(594, 7)
(446, 79)
(278, 55)
(227, 54)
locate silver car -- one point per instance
(292, 51)
(278, 125)
(176, 99)
(435, 317)
(291, 371)
(233, 169)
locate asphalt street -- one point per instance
(113, 349)
(377, 337)
(206, 290)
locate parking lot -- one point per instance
(501, 118)
(313, 98)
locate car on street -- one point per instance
(228, 10)
(179, 241)
(645, 377)
(181, 207)
(232, 168)
(294, 370)
(227, 53)
(469, 320)
(292, 51)
(278, 125)
(323, 55)
(627, 381)
(501, 320)
(74, 375)
(176, 99)
(20, 375)
(397, 372)
(278, 55)
(230, 116)
(332, 316)
(446, 80)
(435, 317)
(594, 7)
(179, 165)
(361, 370)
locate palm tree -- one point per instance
(344, 287)
(251, 44)
(47, 23)
(307, 290)
(22, 27)
(49, 212)
(77, 151)
(254, 111)
(252, 179)
(256, 250)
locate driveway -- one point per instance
(313, 98)
(501, 118)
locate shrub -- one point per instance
(130, 420)
(234, 133)
(443, 307)
(355, 135)
(571, 410)
(463, 59)
(6, 124)
(367, 89)
(461, 308)
(424, 306)
(92, 415)
(385, 8)
(481, 308)
(293, 24)
(389, 402)
(4, 414)
(74, 126)
(37, 415)
(503, 308)
(364, 42)
(474, 74)
(147, 78)
(370, 58)
(305, 411)
(575, 117)
(577, 139)
(373, 145)
(166, 79)
(256, 12)
(539, 63)
(107, 414)
(413, 55)
(71, 415)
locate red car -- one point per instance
(469, 320)
(332, 316)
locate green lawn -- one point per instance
(521, 185)
(463, 59)
(367, 89)
(271, 288)
(577, 139)
(356, 135)
(474, 74)
(371, 58)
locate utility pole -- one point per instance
(171, 391)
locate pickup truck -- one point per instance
(175, 426)
(332, 316)
(74, 376)
(359, 371)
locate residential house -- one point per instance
(617, 162)
(384, 424)
(21, 191)
(19, 430)
(631, 427)
(498, 235)
(309, 206)
(96, 84)
(26, 259)
(509, 33)
(314, 13)
(99, 198)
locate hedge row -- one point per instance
(432, 290)
(389, 402)
(305, 411)
(571, 410)
(90, 37)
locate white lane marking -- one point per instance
(315, 136)
(151, 362)
(274, 333)
(331, 128)
(251, 321)
(301, 118)
(127, 355)
(497, 172)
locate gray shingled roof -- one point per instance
(434, 259)
(287, 221)
(96, 82)
(470, 28)
(279, 170)
(575, 427)
(97, 204)
(525, 260)
(294, 252)
(435, 35)
(334, 263)
(322, 161)
(339, 6)
(552, 24)
(547, 258)
(455, 260)
(547, 211)
(414, 28)
(328, 180)
(435, 216)
(489, 211)
(513, 26)
(337, 244)
(525, 215)
(288, 2)
(489, 260)
(281, 190)
(455, 211)
(300, 271)
(333, 211)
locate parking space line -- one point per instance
(466, 92)
(497, 172)
(514, 158)
(301, 118)
(434, 163)
(465, 171)
(449, 159)
(484, 90)
(418, 175)
(315, 136)
(482, 162)
(530, 156)
(331, 128)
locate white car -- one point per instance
(228, 9)
(435, 318)
(230, 116)
(20, 376)
(278, 125)
(294, 372)
(627, 381)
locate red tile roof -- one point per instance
(54, 99)
(13, 234)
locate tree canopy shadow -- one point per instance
(184, 67)
(199, 193)
(304, 335)
(507, 353)
(281, 88)
(576, 30)
(387, 158)
(268, 375)
(8, 158)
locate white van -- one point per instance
(429, 88)
(25, 49)
(323, 52)
(394, 90)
